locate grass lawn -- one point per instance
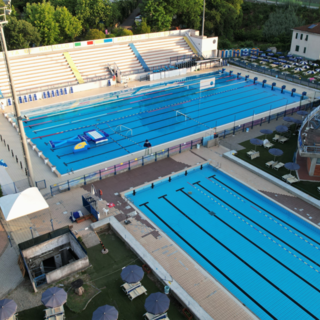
(288, 148)
(105, 275)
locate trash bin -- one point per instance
(247, 130)
(198, 145)
(166, 289)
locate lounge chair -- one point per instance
(292, 180)
(53, 311)
(287, 176)
(267, 144)
(137, 292)
(255, 155)
(250, 153)
(270, 163)
(276, 137)
(278, 166)
(127, 287)
(283, 140)
(150, 316)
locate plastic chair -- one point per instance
(52, 93)
(57, 93)
(65, 91)
(71, 90)
(35, 98)
(30, 97)
(20, 100)
(61, 92)
(48, 94)
(25, 99)
(9, 102)
(44, 96)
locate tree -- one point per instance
(20, 34)
(280, 23)
(41, 16)
(94, 34)
(120, 32)
(142, 27)
(189, 12)
(69, 26)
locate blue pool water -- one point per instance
(161, 113)
(263, 254)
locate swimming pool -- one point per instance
(161, 113)
(263, 254)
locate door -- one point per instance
(58, 261)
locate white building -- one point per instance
(306, 41)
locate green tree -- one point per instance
(120, 32)
(94, 34)
(189, 12)
(69, 26)
(41, 16)
(1, 194)
(280, 23)
(142, 27)
(20, 34)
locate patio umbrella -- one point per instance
(276, 152)
(302, 112)
(277, 63)
(7, 309)
(297, 121)
(265, 132)
(282, 57)
(54, 297)
(270, 54)
(305, 67)
(286, 66)
(256, 142)
(292, 166)
(132, 274)
(105, 313)
(299, 58)
(265, 60)
(157, 303)
(274, 58)
(263, 54)
(311, 72)
(318, 70)
(288, 119)
(268, 50)
(298, 69)
(281, 129)
(292, 59)
(278, 52)
(289, 55)
(303, 63)
(314, 65)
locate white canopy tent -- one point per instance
(18, 205)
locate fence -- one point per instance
(122, 167)
(21, 185)
(274, 73)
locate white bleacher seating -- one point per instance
(4, 80)
(159, 51)
(93, 62)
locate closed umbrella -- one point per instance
(7, 309)
(105, 313)
(281, 129)
(54, 297)
(157, 303)
(292, 166)
(132, 274)
(256, 142)
(265, 132)
(276, 152)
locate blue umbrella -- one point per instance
(297, 121)
(7, 309)
(274, 58)
(302, 112)
(256, 142)
(105, 313)
(277, 63)
(265, 132)
(270, 54)
(132, 274)
(289, 55)
(288, 119)
(157, 303)
(268, 50)
(292, 166)
(54, 297)
(281, 129)
(282, 57)
(263, 54)
(278, 52)
(276, 153)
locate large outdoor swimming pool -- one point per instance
(263, 254)
(161, 113)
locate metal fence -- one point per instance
(21, 185)
(274, 73)
(122, 167)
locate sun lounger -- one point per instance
(270, 163)
(53, 311)
(256, 154)
(276, 137)
(267, 144)
(150, 316)
(127, 287)
(283, 140)
(57, 317)
(292, 180)
(278, 166)
(137, 292)
(287, 176)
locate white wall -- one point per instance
(312, 45)
(75, 247)
(207, 46)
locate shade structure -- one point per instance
(281, 129)
(286, 66)
(54, 297)
(298, 69)
(7, 309)
(311, 72)
(288, 119)
(106, 313)
(132, 274)
(292, 166)
(256, 142)
(276, 152)
(21, 204)
(265, 132)
(303, 63)
(270, 54)
(318, 70)
(305, 67)
(314, 65)
(157, 303)
(302, 112)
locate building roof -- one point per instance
(312, 28)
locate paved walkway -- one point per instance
(128, 23)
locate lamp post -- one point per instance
(15, 103)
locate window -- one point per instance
(304, 50)
(307, 37)
(297, 35)
(297, 48)
(301, 36)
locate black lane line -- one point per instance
(207, 260)
(247, 264)
(266, 210)
(290, 246)
(242, 235)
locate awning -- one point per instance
(17, 205)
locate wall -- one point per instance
(312, 45)
(76, 247)
(206, 46)
(67, 270)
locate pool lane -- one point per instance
(264, 276)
